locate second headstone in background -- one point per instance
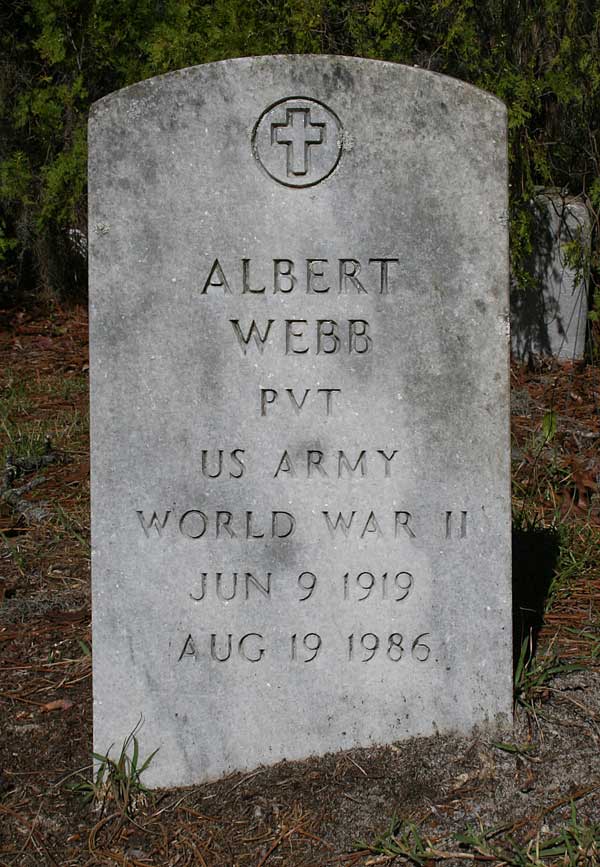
(549, 317)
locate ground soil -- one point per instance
(542, 778)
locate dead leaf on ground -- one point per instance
(59, 704)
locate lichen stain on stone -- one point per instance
(347, 141)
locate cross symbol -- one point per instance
(298, 133)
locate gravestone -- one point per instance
(550, 316)
(299, 361)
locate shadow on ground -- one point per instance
(534, 558)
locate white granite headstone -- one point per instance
(300, 444)
(549, 317)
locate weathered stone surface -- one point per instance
(348, 462)
(550, 317)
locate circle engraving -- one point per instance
(298, 141)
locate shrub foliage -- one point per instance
(542, 57)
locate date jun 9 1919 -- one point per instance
(394, 585)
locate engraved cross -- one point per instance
(298, 133)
